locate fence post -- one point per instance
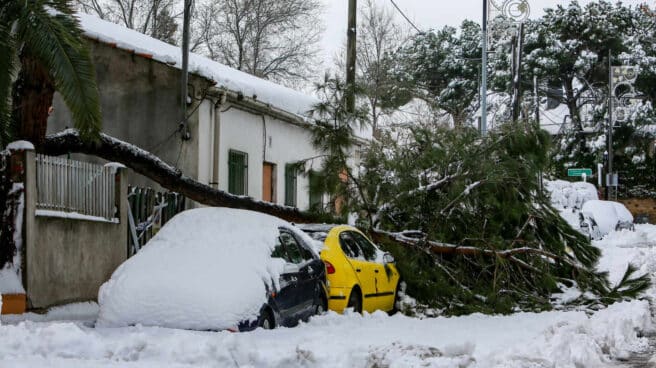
(22, 169)
(121, 202)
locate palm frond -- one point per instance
(53, 35)
(7, 73)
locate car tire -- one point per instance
(321, 308)
(355, 301)
(266, 320)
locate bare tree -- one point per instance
(156, 18)
(378, 36)
(275, 40)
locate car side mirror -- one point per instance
(388, 258)
(291, 268)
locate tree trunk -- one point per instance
(167, 176)
(572, 104)
(32, 99)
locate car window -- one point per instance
(368, 249)
(349, 246)
(279, 250)
(291, 245)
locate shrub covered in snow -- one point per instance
(206, 269)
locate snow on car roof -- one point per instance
(281, 97)
(205, 269)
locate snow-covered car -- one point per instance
(218, 269)
(598, 218)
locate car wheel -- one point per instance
(266, 320)
(355, 301)
(321, 308)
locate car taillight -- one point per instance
(330, 269)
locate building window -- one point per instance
(316, 192)
(237, 172)
(290, 185)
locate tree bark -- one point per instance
(32, 98)
(167, 176)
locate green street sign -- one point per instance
(579, 172)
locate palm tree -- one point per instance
(41, 40)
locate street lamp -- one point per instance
(518, 11)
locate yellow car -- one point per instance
(359, 274)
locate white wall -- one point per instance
(285, 143)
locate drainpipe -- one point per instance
(217, 139)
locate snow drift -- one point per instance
(206, 269)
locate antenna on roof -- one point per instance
(184, 128)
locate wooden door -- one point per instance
(268, 182)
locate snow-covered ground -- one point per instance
(66, 336)
(553, 339)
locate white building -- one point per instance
(245, 132)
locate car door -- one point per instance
(303, 292)
(385, 277)
(363, 269)
(311, 276)
(285, 297)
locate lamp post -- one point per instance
(518, 11)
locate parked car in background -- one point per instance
(360, 275)
(598, 218)
(217, 269)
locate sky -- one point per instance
(424, 14)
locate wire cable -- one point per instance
(405, 16)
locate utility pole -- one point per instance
(517, 72)
(611, 123)
(184, 129)
(484, 73)
(351, 55)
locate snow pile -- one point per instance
(607, 214)
(205, 269)
(565, 194)
(11, 275)
(234, 80)
(621, 248)
(550, 339)
(20, 145)
(85, 312)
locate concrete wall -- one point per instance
(66, 260)
(140, 101)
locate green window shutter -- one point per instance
(237, 172)
(316, 195)
(290, 185)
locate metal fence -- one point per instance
(74, 186)
(149, 211)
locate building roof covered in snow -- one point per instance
(278, 96)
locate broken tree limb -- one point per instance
(169, 177)
(438, 248)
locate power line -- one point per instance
(406, 17)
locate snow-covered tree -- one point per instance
(442, 68)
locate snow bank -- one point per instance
(621, 248)
(607, 214)
(250, 86)
(565, 194)
(551, 339)
(11, 274)
(205, 269)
